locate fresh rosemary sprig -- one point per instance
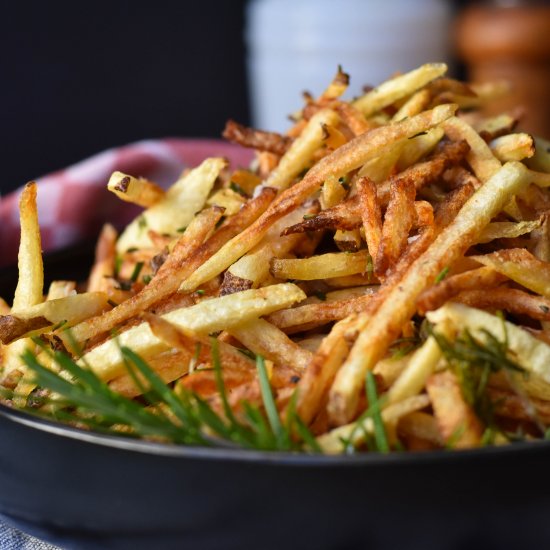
(473, 361)
(173, 416)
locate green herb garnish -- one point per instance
(137, 270)
(442, 274)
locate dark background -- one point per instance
(79, 77)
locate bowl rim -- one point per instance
(279, 458)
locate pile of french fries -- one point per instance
(373, 231)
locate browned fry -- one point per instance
(267, 162)
(336, 88)
(434, 297)
(540, 238)
(398, 222)
(429, 171)
(345, 216)
(353, 119)
(319, 313)
(159, 241)
(424, 214)
(203, 383)
(187, 255)
(456, 176)
(456, 420)
(232, 283)
(256, 139)
(370, 214)
(509, 299)
(104, 264)
(348, 241)
(13, 327)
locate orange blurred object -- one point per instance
(511, 43)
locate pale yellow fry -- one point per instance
(508, 230)
(400, 304)
(332, 192)
(299, 155)
(265, 339)
(379, 169)
(176, 210)
(228, 199)
(138, 191)
(513, 147)
(398, 87)
(350, 156)
(521, 266)
(480, 157)
(61, 289)
(30, 283)
(419, 147)
(203, 318)
(323, 266)
(529, 352)
(414, 105)
(413, 378)
(332, 442)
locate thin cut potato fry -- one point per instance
(348, 240)
(182, 200)
(69, 310)
(521, 266)
(105, 257)
(414, 105)
(205, 317)
(323, 266)
(61, 289)
(456, 419)
(513, 147)
(371, 215)
(480, 157)
(421, 425)
(399, 304)
(263, 338)
(398, 87)
(346, 158)
(509, 299)
(541, 159)
(435, 296)
(135, 190)
(508, 230)
(419, 147)
(31, 271)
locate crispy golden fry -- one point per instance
(398, 221)
(541, 159)
(176, 210)
(346, 158)
(256, 139)
(480, 158)
(353, 119)
(31, 272)
(513, 147)
(205, 317)
(61, 289)
(323, 266)
(348, 240)
(414, 105)
(494, 127)
(435, 296)
(399, 303)
(398, 87)
(371, 214)
(456, 420)
(508, 230)
(337, 86)
(320, 313)
(521, 266)
(135, 190)
(227, 199)
(263, 338)
(417, 148)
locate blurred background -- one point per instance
(80, 77)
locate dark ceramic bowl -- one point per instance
(85, 490)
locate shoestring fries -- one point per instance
(377, 280)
